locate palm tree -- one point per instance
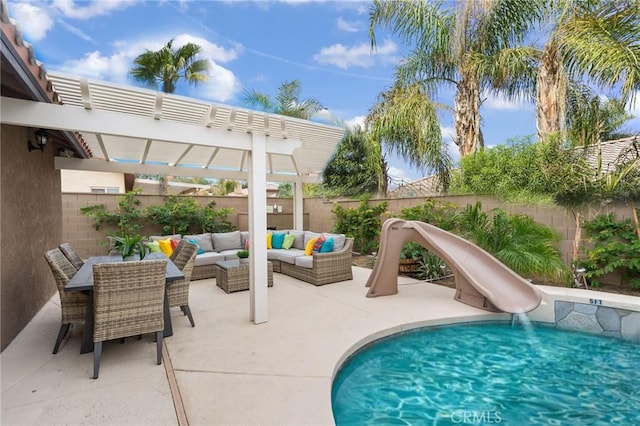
(287, 101)
(450, 49)
(596, 39)
(163, 68)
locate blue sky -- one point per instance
(255, 45)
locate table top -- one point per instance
(233, 263)
(83, 279)
(228, 264)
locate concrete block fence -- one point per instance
(78, 229)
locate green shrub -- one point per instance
(616, 248)
(362, 223)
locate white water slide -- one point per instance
(481, 279)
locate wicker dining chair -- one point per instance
(73, 305)
(73, 257)
(177, 250)
(128, 300)
(178, 291)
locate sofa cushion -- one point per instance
(229, 254)
(338, 240)
(208, 258)
(299, 239)
(203, 240)
(304, 261)
(288, 241)
(164, 237)
(327, 246)
(226, 241)
(277, 240)
(287, 256)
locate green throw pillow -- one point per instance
(288, 241)
(153, 246)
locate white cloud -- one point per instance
(209, 50)
(221, 86)
(350, 27)
(33, 21)
(96, 65)
(355, 121)
(76, 31)
(359, 55)
(501, 103)
(448, 133)
(399, 174)
(90, 9)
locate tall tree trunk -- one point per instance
(466, 112)
(551, 87)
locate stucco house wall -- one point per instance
(30, 224)
(82, 181)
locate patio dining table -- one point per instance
(83, 281)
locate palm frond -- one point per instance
(604, 44)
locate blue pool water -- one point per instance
(490, 374)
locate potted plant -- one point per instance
(410, 256)
(129, 246)
(243, 255)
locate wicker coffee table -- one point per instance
(231, 275)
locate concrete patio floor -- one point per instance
(228, 371)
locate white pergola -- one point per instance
(133, 130)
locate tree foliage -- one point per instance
(162, 69)
(350, 171)
(362, 223)
(286, 102)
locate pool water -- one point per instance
(490, 374)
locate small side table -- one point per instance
(231, 275)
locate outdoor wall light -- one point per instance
(42, 137)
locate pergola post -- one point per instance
(298, 205)
(258, 229)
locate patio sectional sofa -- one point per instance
(317, 268)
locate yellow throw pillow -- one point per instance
(165, 246)
(269, 238)
(309, 249)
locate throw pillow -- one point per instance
(153, 246)
(309, 249)
(174, 244)
(165, 246)
(192, 241)
(318, 244)
(327, 247)
(277, 240)
(288, 241)
(269, 241)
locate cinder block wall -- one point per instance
(78, 230)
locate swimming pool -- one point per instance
(490, 374)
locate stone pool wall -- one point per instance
(603, 320)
